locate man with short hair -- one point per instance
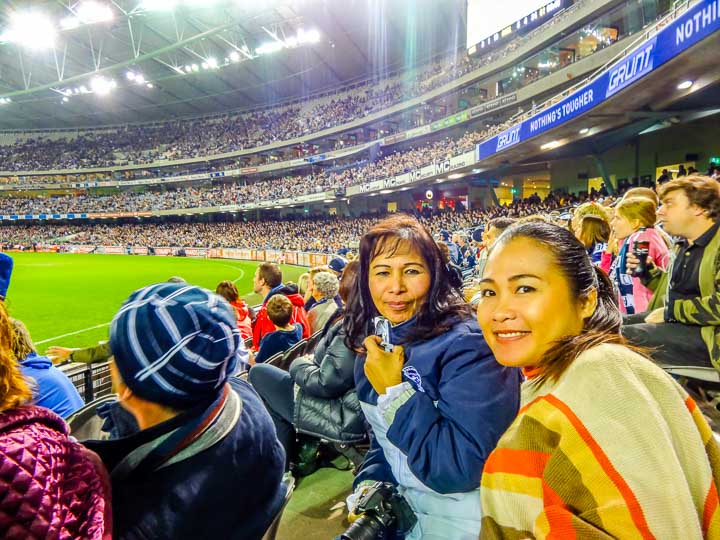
(267, 282)
(206, 462)
(683, 323)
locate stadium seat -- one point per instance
(312, 342)
(288, 356)
(248, 343)
(85, 424)
(275, 359)
(271, 533)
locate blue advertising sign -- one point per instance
(688, 29)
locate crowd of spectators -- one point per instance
(206, 136)
(328, 235)
(236, 193)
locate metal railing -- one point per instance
(91, 380)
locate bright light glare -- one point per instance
(684, 85)
(90, 12)
(158, 5)
(139, 78)
(269, 47)
(130, 75)
(583, 131)
(5, 100)
(235, 56)
(30, 29)
(101, 86)
(150, 85)
(212, 62)
(550, 145)
(65, 99)
(69, 23)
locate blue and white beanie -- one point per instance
(175, 344)
(6, 268)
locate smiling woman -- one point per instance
(431, 390)
(606, 443)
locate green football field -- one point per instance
(68, 300)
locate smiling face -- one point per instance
(527, 303)
(399, 283)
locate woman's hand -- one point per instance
(383, 369)
(58, 354)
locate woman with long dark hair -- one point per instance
(429, 386)
(606, 445)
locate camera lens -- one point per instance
(366, 527)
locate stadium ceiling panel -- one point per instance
(73, 63)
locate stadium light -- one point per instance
(30, 29)
(130, 75)
(550, 145)
(195, 67)
(685, 85)
(583, 131)
(5, 100)
(270, 47)
(102, 86)
(235, 56)
(212, 62)
(150, 85)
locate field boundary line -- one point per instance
(72, 333)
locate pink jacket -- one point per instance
(50, 486)
(659, 255)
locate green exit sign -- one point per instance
(715, 160)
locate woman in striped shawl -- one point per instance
(606, 444)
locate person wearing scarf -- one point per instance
(205, 461)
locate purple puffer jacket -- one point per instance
(50, 486)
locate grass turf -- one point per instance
(68, 300)
(59, 294)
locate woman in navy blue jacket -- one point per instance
(438, 402)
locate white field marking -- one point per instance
(242, 272)
(72, 333)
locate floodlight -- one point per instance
(65, 99)
(83, 89)
(269, 47)
(204, 65)
(139, 78)
(235, 56)
(30, 29)
(130, 75)
(292, 41)
(583, 131)
(684, 85)
(150, 85)
(550, 145)
(188, 69)
(90, 12)
(195, 67)
(101, 86)
(212, 62)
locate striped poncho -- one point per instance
(614, 449)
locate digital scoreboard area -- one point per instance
(490, 22)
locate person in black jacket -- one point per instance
(325, 404)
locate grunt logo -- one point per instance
(508, 138)
(632, 68)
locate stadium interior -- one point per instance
(212, 139)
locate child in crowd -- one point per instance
(279, 310)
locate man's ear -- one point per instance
(589, 304)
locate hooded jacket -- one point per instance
(433, 432)
(52, 389)
(50, 485)
(264, 325)
(243, 317)
(326, 403)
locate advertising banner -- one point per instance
(688, 29)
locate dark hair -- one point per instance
(571, 257)
(443, 306)
(279, 310)
(348, 281)
(501, 223)
(701, 191)
(227, 290)
(594, 230)
(271, 274)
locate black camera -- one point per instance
(382, 508)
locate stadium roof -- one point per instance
(67, 64)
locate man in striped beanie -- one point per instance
(206, 462)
